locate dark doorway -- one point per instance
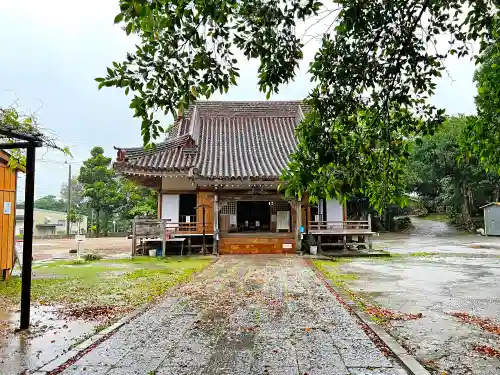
(187, 208)
(253, 216)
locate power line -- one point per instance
(59, 162)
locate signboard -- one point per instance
(6, 208)
(283, 220)
(80, 237)
(287, 246)
(232, 220)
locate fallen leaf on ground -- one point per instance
(390, 314)
(487, 350)
(485, 323)
(92, 312)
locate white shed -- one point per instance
(492, 219)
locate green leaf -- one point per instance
(129, 28)
(119, 18)
(342, 136)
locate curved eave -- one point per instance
(125, 168)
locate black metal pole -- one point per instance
(29, 197)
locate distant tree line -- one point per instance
(103, 196)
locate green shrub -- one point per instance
(402, 223)
(420, 212)
(307, 242)
(92, 256)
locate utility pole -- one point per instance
(68, 222)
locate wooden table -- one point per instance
(164, 248)
(176, 240)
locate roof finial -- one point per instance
(121, 155)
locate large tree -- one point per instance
(50, 202)
(99, 184)
(373, 74)
(136, 200)
(484, 134)
(448, 179)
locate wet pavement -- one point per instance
(437, 236)
(460, 277)
(49, 337)
(243, 315)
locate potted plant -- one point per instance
(313, 246)
(310, 245)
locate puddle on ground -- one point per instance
(50, 335)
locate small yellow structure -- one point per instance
(8, 185)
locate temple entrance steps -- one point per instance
(257, 243)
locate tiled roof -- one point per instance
(224, 140)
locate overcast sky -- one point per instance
(52, 50)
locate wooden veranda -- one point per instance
(342, 233)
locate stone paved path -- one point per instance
(243, 315)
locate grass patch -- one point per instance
(391, 257)
(423, 254)
(331, 271)
(340, 279)
(105, 282)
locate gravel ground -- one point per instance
(244, 315)
(59, 248)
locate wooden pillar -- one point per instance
(134, 239)
(215, 247)
(344, 205)
(159, 204)
(298, 222)
(29, 198)
(203, 223)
